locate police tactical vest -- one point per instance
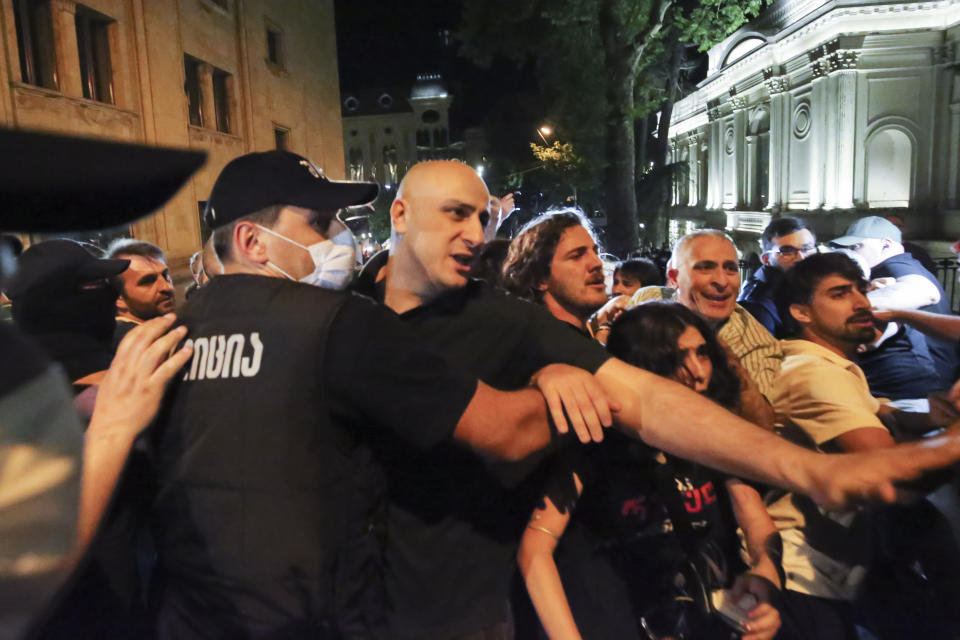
(263, 515)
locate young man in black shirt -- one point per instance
(555, 260)
(266, 515)
(453, 527)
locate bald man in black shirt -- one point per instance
(452, 531)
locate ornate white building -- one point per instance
(386, 131)
(826, 110)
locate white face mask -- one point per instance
(334, 260)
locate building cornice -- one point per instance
(829, 41)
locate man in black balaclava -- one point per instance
(64, 298)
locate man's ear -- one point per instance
(800, 313)
(247, 243)
(672, 277)
(122, 305)
(765, 258)
(543, 286)
(398, 216)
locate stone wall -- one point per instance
(148, 39)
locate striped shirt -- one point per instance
(758, 351)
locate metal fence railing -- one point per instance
(947, 275)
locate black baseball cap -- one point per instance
(60, 261)
(53, 182)
(258, 180)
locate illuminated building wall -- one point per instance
(827, 110)
(225, 76)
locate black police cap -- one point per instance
(59, 262)
(61, 183)
(259, 180)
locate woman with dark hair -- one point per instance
(652, 550)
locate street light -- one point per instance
(544, 131)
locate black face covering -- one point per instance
(87, 310)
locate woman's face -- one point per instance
(696, 369)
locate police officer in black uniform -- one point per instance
(265, 514)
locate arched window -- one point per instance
(742, 48)
(889, 168)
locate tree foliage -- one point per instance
(559, 159)
(601, 65)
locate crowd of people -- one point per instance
(475, 439)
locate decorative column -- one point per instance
(953, 180)
(693, 169)
(777, 86)
(714, 161)
(674, 186)
(820, 134)
(703, 158)
(840, 171)
(64, 15)
(741, 154)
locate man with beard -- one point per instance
(454, 522)
(899, 281)
(146, 289)
(554, 261)
(821, 397)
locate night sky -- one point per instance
(386, 43)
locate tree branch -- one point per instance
(651, 32)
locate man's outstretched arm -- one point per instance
(937, 325)
(671, 417)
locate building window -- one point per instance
(390, 164)
(205, 231)
(221, 99)
(38, 63)
(93, 43)
(890, 168)
(192, 87)
(275, 46)
(356, 164)
(282, 137)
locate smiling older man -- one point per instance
(704, 275)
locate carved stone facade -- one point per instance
(839, 109)
(225, 76)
